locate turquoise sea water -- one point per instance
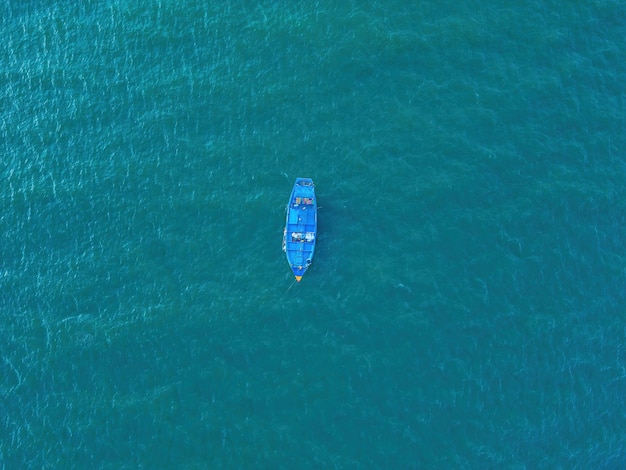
(466, 304)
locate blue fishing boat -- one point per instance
(301, 227)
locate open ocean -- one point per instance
(466, 305)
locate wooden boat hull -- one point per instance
(300, 232)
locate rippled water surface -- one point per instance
(465, 308)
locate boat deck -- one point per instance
(300, 233)
(301, 228)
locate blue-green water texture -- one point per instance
(467, 301)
